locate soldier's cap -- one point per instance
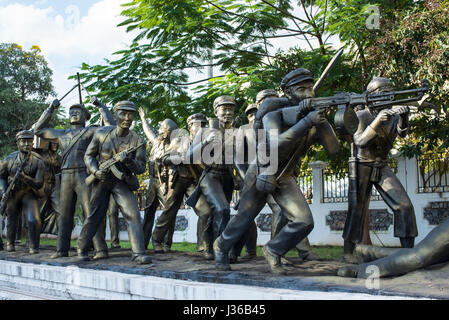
(168, 123)
(124, 105)
(197, 117)
(25, 134)
(384, 84)
(296, 76)
(251, 107)
(223, 100)
(265, 94)
(83, 108)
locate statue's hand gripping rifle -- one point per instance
(110, 165)
(346, 121)
(7, 194)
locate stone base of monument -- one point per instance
(187, 276)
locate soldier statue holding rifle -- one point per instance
(114, 156)
(73, 143)
(300, 132)
(21, 177)
(373, 140)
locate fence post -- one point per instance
(317, 185)
(411, 173)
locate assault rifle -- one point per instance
(346, 121)
(110, 165)
(7, 193)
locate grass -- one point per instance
(324, 252)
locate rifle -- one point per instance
(6, 195)
(345, 120)
(110, 164)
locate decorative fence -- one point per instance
(433, 173)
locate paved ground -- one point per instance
(312, 275)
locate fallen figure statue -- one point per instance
(433, 249)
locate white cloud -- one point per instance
(66, 34)
(66, 39)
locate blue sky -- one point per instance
(68, 33)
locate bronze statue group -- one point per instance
(98, 167)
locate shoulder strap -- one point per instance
(74, 140)
(104, 139)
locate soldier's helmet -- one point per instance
(124, 105)
(83, 109)
(296, 76)
(25, 134)
(170, 124)
(379, 84)
(196, 117)
(251, 108)
(222, 100)
(267, 93)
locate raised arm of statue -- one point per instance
(41, 126)
(366, 131)
(146, 127)
(106, 114)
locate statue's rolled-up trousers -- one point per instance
(127, 204)
(73, 187)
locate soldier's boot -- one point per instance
(59, 254)
(115, 245)
(101, 255)
(10, 247)
(274, 261)
(141, 259)
(34, 250)
(221, 258)
(286, 262)
(348, 271)
(158, 248)
(83, 256)
(166, 248)
(348, 250)
(249, 255)
(407, 242)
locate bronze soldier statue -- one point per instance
(373, 140)
(302, 133)
(246, 136)
(73, 143)
(167, 184)
(114, 156)
(22, 172)
(433, 249)
(195, 123)
(278, 219)
(216, 182)
(49, 200)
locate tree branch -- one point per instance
(252, 19)
(284, 12)
(184, 84)
(232, 48)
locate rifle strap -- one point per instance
(74, 140)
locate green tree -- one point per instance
(236, 38)
(415, 46)
(25, 84)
